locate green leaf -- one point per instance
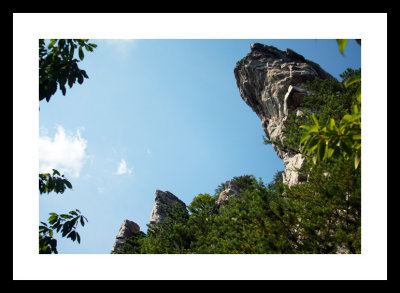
(71, 52)
(313, 145)
(306, 127)
(66, 229)
(71, 80)
(81, 55)
(82, 221)
(321, 150)
(313, 128)
(58, 228)
(341, 44)
(351, 80)
(64, 216)
(305, 137)
(346, 146)
(355, 109)
(73, 213)
(78, 238)
(63, 90)
(66, 182)
(64, 232)
(314, 159)
(53, 41)
(307, 145)
(315, 120)
(53, 219)
(61, 43)
(83, 72)
(80, 79)
(331, 124)
(358, 95)
(72, 235)
(347, 118)
(330, 152)
(357, 160)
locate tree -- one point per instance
(67, 223)
(55, 182)
(344, 139)
(57, 66)
(172, 235)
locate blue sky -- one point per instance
(157, 114)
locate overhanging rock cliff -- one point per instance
(272, 82)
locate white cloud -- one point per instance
(66, 152)
(148, 151)
(100, 189)
(123, 169)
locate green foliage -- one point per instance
(331, 140)
(55, 182)
(132, 244)
(250, 224)
(328, 207)
(57, 65)
(64, 223)
(319, 216)
(47, 244)
(242, 181)
(171, 235)
(327, 99)
(341, 44)
(321, 143)
(277, 183)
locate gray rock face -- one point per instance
(127, 229)
(272, 82)
(163, 202)
(231, 189)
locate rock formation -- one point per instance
(163, 202)
(231, 189)
(272, 82)
(127, 229)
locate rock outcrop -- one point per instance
(231, 189)
(128, 228)
(164, 201)
(272, 82)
